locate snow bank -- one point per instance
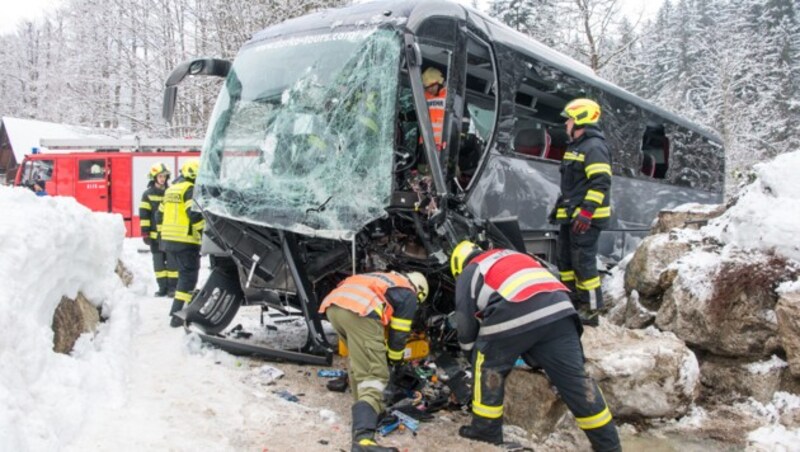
(55, 247)
(767, 214)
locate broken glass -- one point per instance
(302, 135)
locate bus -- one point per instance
(320, 159)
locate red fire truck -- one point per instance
(104, 175)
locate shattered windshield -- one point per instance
(302, 134)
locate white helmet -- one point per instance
(420, 283)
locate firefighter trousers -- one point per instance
(369, 371)
(577, 265)
(188, 263)
(556, 348)
(165, 268)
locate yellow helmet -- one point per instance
(431, 76)
(584, 111)
(461, 255)
(190, 168)
(158, 168)
(420, 283)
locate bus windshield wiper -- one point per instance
(321, 207)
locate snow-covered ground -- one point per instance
(139, 385)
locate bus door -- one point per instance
(92, 185)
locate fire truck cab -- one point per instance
(104, 175)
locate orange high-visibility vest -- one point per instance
(515, 276)
(365, 293)
(436, 105)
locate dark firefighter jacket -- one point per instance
(148, 210)
(181, 227)
(586, 179)
(525, 296)
(386, 297)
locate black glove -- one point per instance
(147, 240)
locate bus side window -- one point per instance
(558, 143)
(655, 153)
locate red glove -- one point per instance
(582, 222)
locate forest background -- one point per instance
(730, 65)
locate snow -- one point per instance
(764, 367)
(134, 385)
(766, 215)
(26, 134)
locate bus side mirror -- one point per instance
(199, 66)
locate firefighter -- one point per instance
(165, 270)
(359, 309)
(583, 207)
(181, 230)
(435, 95)
(508, 305)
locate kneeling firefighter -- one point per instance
(181, 231)
(359, 309)
(508, 305)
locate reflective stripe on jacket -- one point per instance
(586, 179)
(504, 292)
(364, 294)
(176, 220)
(148, 209)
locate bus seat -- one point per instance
(649, 165)
(533, 142)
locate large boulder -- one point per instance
(71, 319)
(531, 403)
(725, 304)
(643, 373)
(788, 312)
(654, 254)
(691, 216)
(727, 379)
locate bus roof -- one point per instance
(410, 14)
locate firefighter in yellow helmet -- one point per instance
(435, 96)
(508, 305)
(181, 230)
(583, 208)
(165, 269)
(359, 309)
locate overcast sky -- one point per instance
(16, 11)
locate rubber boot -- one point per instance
(482, 429)
(365, 422)
(175, 322)
(162, 288)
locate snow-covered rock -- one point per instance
(725, 303)
(654, 254)
(725, 379)
(643, 373)
(691, 215)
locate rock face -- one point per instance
(728, 309)
(530, 402)
(643, 373)
(693, 217)
(124, 274)
(788, 311)
(653, 255)
(71, 319)
(725, 379)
